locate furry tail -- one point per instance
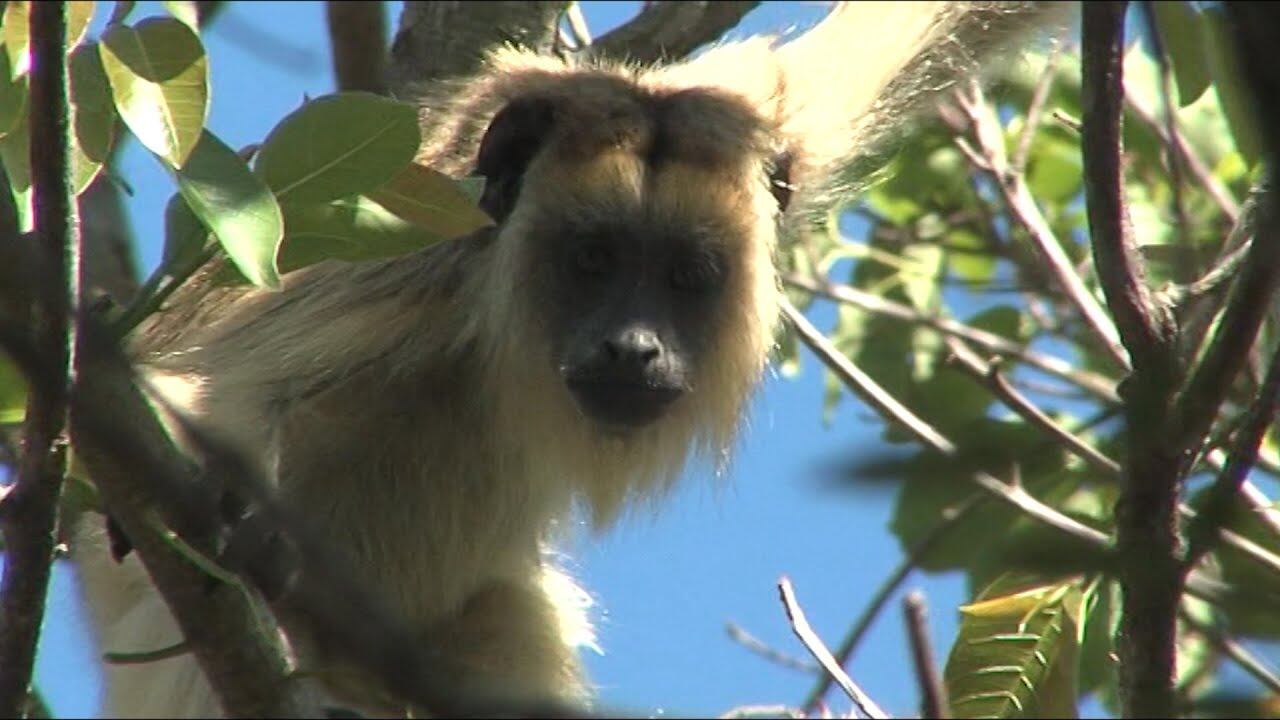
(836, 94)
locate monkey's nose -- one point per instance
(633, 348)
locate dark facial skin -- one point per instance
(632, 306)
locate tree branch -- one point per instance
(933, 693)
(30, 514)
(670, 30)
(447, 39)
(1146, 514)
(357, 37)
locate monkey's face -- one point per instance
(631, 307)
(635, 251)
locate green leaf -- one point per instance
(185, 12)
(233, 203)
(349, 229)
(93, 116)
(120, 11)
(13, 393)
(17, 40)
(431, 200)
(1054, 169)
(1016, 652)
(13, 97)
(1230, 86)
(15, 153)
(184, 235)
(160, 81)
(1179, 26)
(338, 145)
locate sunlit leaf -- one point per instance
(1179, 25)
(184, 11)
(17, 40)
(338, 145)
(15, 153)
(1016, 652)
(431, 200)
(233, 203)
(160, 81)
(349, 229)
(93, 116)
(13, 97)
(1229, 84)
(13, 393)
(184, 234)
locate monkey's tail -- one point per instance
(836, 94)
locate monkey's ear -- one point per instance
(780, 179)
(514, 136)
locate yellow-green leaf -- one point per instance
(93, 116)
(236, 206)
(1179, 26)
(349, 229)
(1016, 652)
(15, 154)
(17, 40)
(13, 97)
(431, 200)
(185, 12)
(338, 145)
(159, 78)
(13, 393)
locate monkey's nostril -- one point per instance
(633, 346)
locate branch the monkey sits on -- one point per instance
(441, 412)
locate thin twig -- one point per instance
(919, 551)
(1221, 499)
(892, 410)
(30, 519)
(1035, 111)
(1234, 650)
(1096, 384)
(670, 30)
(801, 627)
(1182, 225)
(988, 374)
(773, 655)
(933, 693)
(990, 158)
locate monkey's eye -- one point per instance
(593, 259)
(700, 273)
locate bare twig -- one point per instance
(1182, 225)
(933, 694)
(1035, 111)
(670, 30)
(801, 627)
(577, 23)
(1222, 497)
(988, 374)
(1097, 385)
(889, 408)
(918, 552)
(773, 655)
(31, 510)
(989, 157)
(1234, 650)
(357, 38)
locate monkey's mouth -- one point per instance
(621, 404)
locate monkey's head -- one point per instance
(636, 230)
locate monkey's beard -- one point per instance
(620, 407)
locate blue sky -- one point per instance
(666, 582)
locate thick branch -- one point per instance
(670, 30)
(30, 510)
(357, 39)
(438, 40)
(1146, 514)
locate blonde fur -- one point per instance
(412, 405)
